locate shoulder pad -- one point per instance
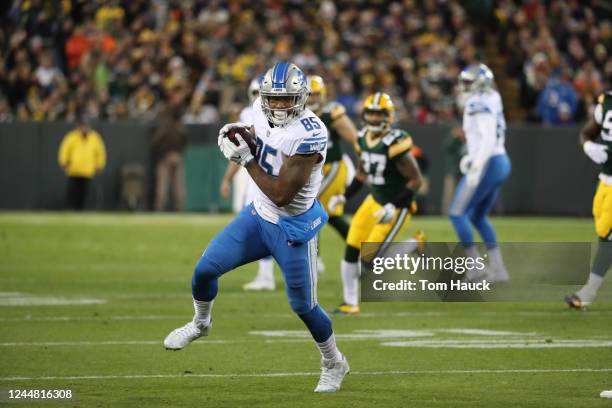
(390, 137)
(475, 107)
(401, 143)
(336, 110)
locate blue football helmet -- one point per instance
(284, 80)
(476, 78)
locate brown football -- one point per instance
(246, 135)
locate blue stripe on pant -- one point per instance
(472, 205)
(249, 238)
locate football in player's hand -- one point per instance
(246, 135)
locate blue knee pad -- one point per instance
(319, 324)
(204, 285)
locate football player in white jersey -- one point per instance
(486, 166)
(283, 219)
(264, 280)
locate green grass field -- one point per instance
(86, 301)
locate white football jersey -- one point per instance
(305, 135)
(484, 102)
(247, 115)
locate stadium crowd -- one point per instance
(120, 59)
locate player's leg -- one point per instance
(496, 173)
(385, 234)
(298, 265)
(458, 212)
(334, 183)
(239, 243)
(363, 222)
(264, 280)
(602, 211)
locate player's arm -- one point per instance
(230, 172)
(589, 132)
(596, 151)
(346, 129)
(293, 175)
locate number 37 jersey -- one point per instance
(378, 161)
(306, 135)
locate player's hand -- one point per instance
(225, 189)
(226, 128)
(464, 164)
(240, 154)
(385, 214)
(472, 178)
(335, 201)
(596, 151)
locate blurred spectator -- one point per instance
(82, 155)
(557, 102)
(169, 141)
(144, 54)
(540, 37)
(199, 113)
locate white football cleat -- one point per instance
(332, 374)
(259, 284)
(180, 338)
(497, 274)
(606, 394)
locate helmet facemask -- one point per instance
(279, 110)
(377, 127)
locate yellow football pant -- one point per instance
(365, 226)
(602, 210)
(334, 183)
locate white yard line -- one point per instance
(304, 374)
(105, 343)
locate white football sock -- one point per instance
(328, 349)
(266, 270)
(472, 251)
(410, 245)
(588, 292)
(202, 311)
(497, 263)
(350, 282)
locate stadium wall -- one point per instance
(550, 175)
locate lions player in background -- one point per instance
(283, 219)
(264, 280)
(596, 140)
(393, 176)
(486, 166)
(339, 126)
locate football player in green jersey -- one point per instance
(596, 140)
(393, 177)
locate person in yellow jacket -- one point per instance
(82, 155)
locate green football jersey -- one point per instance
(378, 161)
(603, 117)
(331, 112)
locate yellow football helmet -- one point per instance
(318, 93)
(378, 102)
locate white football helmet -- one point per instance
(284, 80)
(254, 87)
(476, 78)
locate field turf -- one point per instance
(86, 301)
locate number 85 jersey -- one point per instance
(378, 161)
(305, 135)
